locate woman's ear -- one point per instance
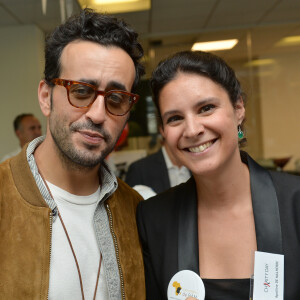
(44, 95)
(240, 110)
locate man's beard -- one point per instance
(75, 158)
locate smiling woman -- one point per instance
(202, 131)
(213, 223)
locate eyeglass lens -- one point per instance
(116, 102)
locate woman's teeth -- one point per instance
(200, 148)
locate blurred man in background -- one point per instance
(156, 173)
(27, 127)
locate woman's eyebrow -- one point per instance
(205, 101)
(170, 113)
(197, 104)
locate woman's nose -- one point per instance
(193, 126)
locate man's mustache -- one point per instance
(89, 125)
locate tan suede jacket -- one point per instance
(25, 236)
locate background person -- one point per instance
(60, 202)
(158, 171)
(231, 207)
(27, 127)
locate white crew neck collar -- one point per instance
(74, 199)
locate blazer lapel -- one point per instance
(188, 254)
(265, 209)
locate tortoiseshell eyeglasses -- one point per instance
(83, 95)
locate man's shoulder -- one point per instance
(123, 202)
(10, 167)
(10, 154)
(4, 169)
(123, 186)
(126, 193)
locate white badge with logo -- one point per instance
(186, 284)
(268, 276)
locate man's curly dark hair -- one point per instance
(89, 25)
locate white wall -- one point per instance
(280, 107)
(21, 68)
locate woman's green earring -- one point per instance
(240, 132)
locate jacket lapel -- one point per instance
(265, 208)
(188, 254)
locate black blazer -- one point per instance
(167, 225)
(150, 171)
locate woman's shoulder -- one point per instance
(284, 180)
(281, 180)
(169, 198)
(287, 187)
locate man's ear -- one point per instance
(44, 95)
(18, 133)
(240, 110)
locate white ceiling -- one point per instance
(173, 25)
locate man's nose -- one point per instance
(97, 112)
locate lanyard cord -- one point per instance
(76, 262)
(71, 246)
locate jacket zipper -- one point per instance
(117, 250)
(52, 213)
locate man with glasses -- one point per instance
(67, 225)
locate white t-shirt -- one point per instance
(77, 213)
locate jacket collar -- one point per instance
(266, 216)
(31, 185)
(188, 252)
(265, 208)
(24, 180)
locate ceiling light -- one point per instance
(99, 2)
(289, 41)
(116, 6)
(215, 45)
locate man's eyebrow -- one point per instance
(90, 81)
(111, 85)
(116, 86)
